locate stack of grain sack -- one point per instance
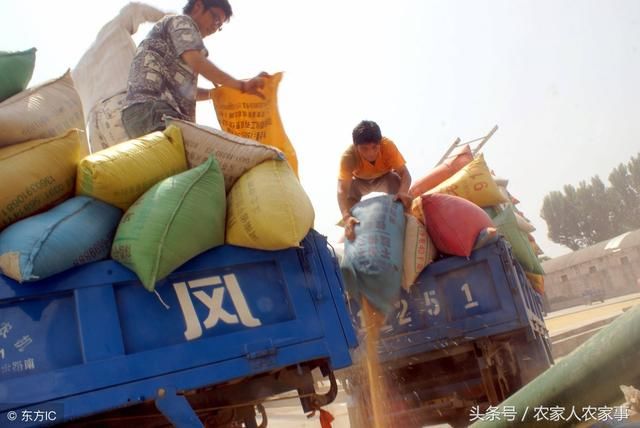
(151, 203)
(465, 184)
(41, 142)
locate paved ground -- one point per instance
(567, 319)
(288, 413)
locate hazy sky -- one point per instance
(560, 79)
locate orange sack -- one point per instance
(249, 116)
(454, 163)
(453, 223)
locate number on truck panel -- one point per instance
(432, 303)
(403, 319)
(466, 289)
(402, 305)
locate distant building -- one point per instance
(611, 268)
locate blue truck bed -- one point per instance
(469, 332)
(93, 339)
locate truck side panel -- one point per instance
(94, 338)
(458, 300)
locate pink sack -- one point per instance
(454, 163)
(453, 223)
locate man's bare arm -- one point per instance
(405, 179)
(343, 202)
(345, 209)
(202, 66)
(403, 191)
(203, 94)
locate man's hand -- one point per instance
(350, 228)
(406, 200)
(255, 85)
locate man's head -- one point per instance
(367, 137)
(209, 15)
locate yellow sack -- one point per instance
(473, 183)
(537, 281)
(268, 209)
(37, 175)
(254, 118)
(419, 251)
(416, 209)
(122, 173)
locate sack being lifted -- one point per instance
(102, 73)
(249, 116)
(373, 262)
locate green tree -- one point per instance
(625, 185)
(592, 212)
(596, 207)
(561, 217)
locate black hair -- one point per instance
(208, 4)
(365, 132)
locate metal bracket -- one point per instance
(317, 401)
(457, 143)
(259, 350)
(177, 409)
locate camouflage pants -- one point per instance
(143, 118)
(104, 123)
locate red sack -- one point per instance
(453, 223)
(454, 163)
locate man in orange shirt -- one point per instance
(372, 164)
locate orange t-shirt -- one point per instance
(352, 165)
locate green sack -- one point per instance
(16, 69)
(174, 221)
(492, 211)
(507, 225)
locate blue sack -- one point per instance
(372, 263)
(78, 231)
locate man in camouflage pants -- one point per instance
(164, 73)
